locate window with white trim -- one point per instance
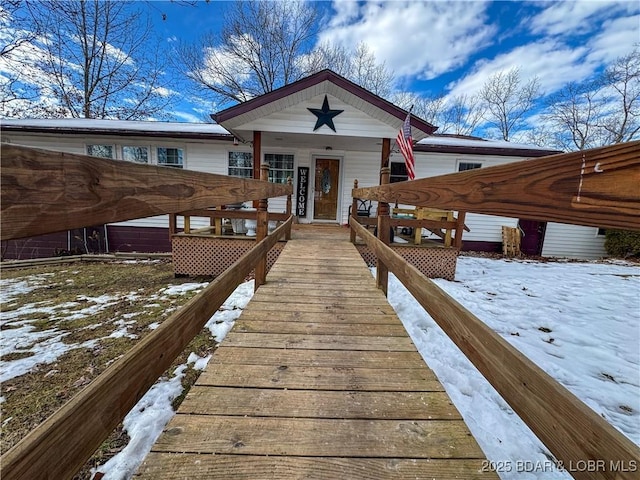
(280, 166)
(170, 157)
(398, 172)
(135, 154)
(464, 166)
(241, 164)
(102, 151)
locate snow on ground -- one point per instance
(20, 336)
(145, 422)
(580, 322)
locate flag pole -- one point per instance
(395, 142)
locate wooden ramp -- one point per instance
(318, 379)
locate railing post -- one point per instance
(457, 239)
(262, 229)
(354, 213)
(382, 272)
(287, 235)
(173, 222)
(187, 224)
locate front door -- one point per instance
(325, 197)
(532, 236)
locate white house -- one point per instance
(323, 129)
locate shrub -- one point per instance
(622, 243)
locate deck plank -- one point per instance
(321, 378)
(180, 466)
(269, 402)
(318, 328)
(319, 342)
(317, 379)
(317, 358)
(318, 437)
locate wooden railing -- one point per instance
(604, 191)
(102, 191)
(217, 215)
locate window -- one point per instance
(280, 167)
(135, 154)
(102, 151)
(241, 164)
(463, 166)
(170, 157)
(398, 172)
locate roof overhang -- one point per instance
(124, 128)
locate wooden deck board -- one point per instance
(319, 342)
(180, 466)
(345, 318)
(318, 379)
(269, 402)
(317, 358)
(216, 434)
(321, 378)
(317, 328)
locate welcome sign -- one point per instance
(301, 191)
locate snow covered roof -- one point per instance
(445, 143)
(439, 143)
(116, 127)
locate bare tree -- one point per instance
(621, 82)
(358, 65)
(572, 113)
(602, 110)
(462, 115)
(507, 101)
(18, 30)
(257, 51)
(94, 61)
(458, 115)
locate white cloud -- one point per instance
(616, 39)
(553, 64)
(412, 38)
(578, 17)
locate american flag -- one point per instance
(405, 142)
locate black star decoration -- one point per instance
(325, 115)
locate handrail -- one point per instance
(573, 432)
(59, 446)
(597, 187)
(45, 191)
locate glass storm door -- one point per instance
(325, 198)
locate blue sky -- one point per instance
(454, 46)
(443, 46)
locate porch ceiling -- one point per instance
(285, 141)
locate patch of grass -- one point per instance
(31, 398)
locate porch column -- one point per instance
(386, 153)
(257, 158)
(382, 271)
(262, 229)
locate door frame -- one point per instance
(312, 183)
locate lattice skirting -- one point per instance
(432, 262)
(193, 255)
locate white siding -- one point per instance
(298, 119)
(573, 241)
(212, 157)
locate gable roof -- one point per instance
(325, 81)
